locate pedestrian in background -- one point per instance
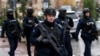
(13, 31)
(29, 22)
(67, 23)
(88, 30)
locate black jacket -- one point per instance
(29, 23)
(5, 28)
(44, 48)
(67, 20)
(87, 27)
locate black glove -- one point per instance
(76, 38)
(46, 41)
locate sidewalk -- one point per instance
(21, 50)
(79, 51)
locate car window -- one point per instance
(72, 15)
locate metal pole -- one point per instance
(12, 4)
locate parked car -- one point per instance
(67, 7)
(75, 18)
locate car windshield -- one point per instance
(72, 15)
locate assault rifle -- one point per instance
(60, 49)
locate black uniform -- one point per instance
(88, 33)
(12, 31)
(29, 23)
(66, 22)
(44, 47)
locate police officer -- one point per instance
(43, 47)
(66, 22)
(88, 30)
(29, 23)
(6, 28)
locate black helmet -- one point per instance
(50, 11)
(9, 11)
(30, 10)
(62, 10)
(62, 13)
(85, 10)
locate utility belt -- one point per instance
(90, 32)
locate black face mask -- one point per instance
(50, 24)
(10, 16)
(62, 16)
(86, 17)
(29, 13)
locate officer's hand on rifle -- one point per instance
(46, 41)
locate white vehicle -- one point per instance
(75, 19)
(67, 7)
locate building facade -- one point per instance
(38, 4)
(0, 5)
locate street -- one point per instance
(21, 50)
(24, 15)
(78, 48)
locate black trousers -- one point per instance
(13, 42)
(87, 47)
(28, 44)
(68, 44)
